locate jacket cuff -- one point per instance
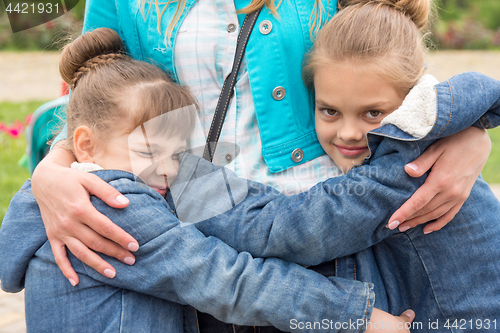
(357, 310)
(366, 301)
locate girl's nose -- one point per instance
(350, 131)
(167, 167)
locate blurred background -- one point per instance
(467, 24)
(464, 37)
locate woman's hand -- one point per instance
(71, 221)
(382, 321)
(456, 163)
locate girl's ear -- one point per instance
(84, 145)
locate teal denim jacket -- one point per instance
(273, 60)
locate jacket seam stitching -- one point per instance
(367, 309)
(451, 112)
(481, 122)
(27, 192)
(354, 267)
(121, 310)
(427, 273)
(196, 320)
(289, 142)
(488, 123)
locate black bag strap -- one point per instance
(228, 87)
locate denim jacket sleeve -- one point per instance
(19, 239)
(346, 214)
(468, 97)
(180, 264)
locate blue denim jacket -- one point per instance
(308, 228)
(175, 265)
(449, 276)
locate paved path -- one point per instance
(445, 64)
(35, 76)
(29, 76)
(12, 313)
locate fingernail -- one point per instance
(109, 273)
(408, 313)
(428, 232)
(412, 166)
(73, 283)
(129, 261)
(133, 246)
(121, 199)
(393, 225)
(404, 228)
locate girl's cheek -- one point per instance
(137, 166)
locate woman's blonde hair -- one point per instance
(111, 91)
(318, 15)
(385, 34)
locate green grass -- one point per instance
(491, 171)
(12, 176)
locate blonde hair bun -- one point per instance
(382, 33)
(417, 10)
(98, 47)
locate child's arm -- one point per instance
(466, 99)
(179, 264)
(347, 214)
(340, 216)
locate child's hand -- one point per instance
(382, 321)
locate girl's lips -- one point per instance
(162, 191)
(351, 151)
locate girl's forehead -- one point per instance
(141, 136)
(166, 122)
(346, 88)
(353, 65)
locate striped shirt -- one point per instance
(204, 53)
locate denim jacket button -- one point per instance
(265, 27)
(229, 158)
(297, 155)
(279, 93)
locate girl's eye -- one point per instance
(373, 114)
(145, 153)
(329, 112)
(176, 155)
